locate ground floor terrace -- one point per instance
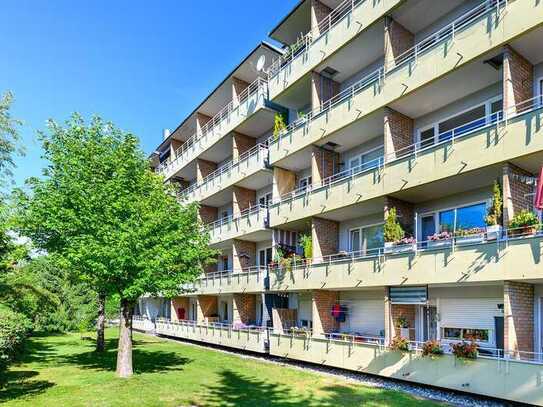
(386, 330)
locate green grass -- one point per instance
(63, 371)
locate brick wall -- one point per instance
(284, 181)
(244, 309)
(407, 311)
(242, 198)
(204, 168)
(238, 86)
(322, 89)
(398, 134)
(518, 316)
(397, 40)
(404, 211)
(324, 163)
(283, 319)
(515, 192)
(323, 321)
(325, 235)
(518, 80)
(319, 12)
(207, 214)
(243, 254)
(207, 305)
(240, 144)
(180, 302)
(201, 120)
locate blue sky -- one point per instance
(143, 65)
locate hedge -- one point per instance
(14, 328)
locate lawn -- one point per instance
(63, 370)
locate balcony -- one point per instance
(250, 223)
(472, 146)
(248, 164)
(226, 120)
(501, 377)
(249, 280)
(142, 324)
(481, 258)
(247, 338)
(480, 30)
(342, 25)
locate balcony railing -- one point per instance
(259, 86)
(304, 43)
(260, 151)
(379, 75)
(456, 241)
(236, 216)
(250, 277)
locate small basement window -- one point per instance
(466, 334)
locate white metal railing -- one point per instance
(260, 151)
(226, 276)
(237, 216)
(259, 86)
(230, 327)
(455, 241)
(379, 75)
(303, 44)
(412, 150)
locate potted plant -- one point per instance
(465, 350)
(468, 236)
(403, 325)
(394, 235)
(279, 125)
(440, 239)
(494, 217)
(432, 348)
(399, 344)
(306, 241)
(524, 223)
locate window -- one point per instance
(367, 160)
(265, 257)
(466, 334)
(466, 217)
(265, 200)
(305, 183)
(225, 263)
(366, 239)
(540, 90)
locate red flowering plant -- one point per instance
(465, 350)
(432, 348)
(440, 236)
(399, 344)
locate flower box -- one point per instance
(471, 239)
(438, 244)
(391, 247)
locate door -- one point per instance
(427, 228)
(430, 323)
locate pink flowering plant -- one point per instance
(440, 236)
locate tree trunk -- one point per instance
(100, 323)
(124, 351)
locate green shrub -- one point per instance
(279, 125)
(14, 328)
(494, 216)
(306, 241)
(393, 231)
(524, 218)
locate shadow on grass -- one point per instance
(235, 389)
(16, 384)
(143, 360)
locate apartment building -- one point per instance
(347, 177)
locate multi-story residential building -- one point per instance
(427, 110)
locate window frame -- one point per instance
(360, 155)
(362, 236)
(462, 338)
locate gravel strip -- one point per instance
(421, 391)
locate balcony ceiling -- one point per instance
(416, 15)
(294, 25)
(529, 45)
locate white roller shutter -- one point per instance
(476, 313)
(367, 317)
(304, 309)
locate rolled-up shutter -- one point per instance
(367, 317)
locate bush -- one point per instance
(523, 219)
(399, 344)
(14, 328)
(393, 231)
(465, 350)
(432, 348)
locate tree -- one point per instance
(9, 138)
(102, 211)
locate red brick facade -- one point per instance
(518, 316)
(404, 211)
(283, 319)
(204, 168)
(208, 214)
(242, 198)
(398, 134)
(240, 144)
(243, 254)
(518, 81)
(244, 309)
(319, 12)
(324, 164)
(397, 40)
(323, 321)
(207, 305)
(407, 311)
(516, 193)
(322, 89)
(325, 235)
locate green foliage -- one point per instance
(14, 328)
(392, 230)
(107, 217)
(402, 322)
(9, 138)
(399, 344)
(465, 350)
(432, 348)
(523, 218)
(494, 216)
(279, 125)
(306, 240)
